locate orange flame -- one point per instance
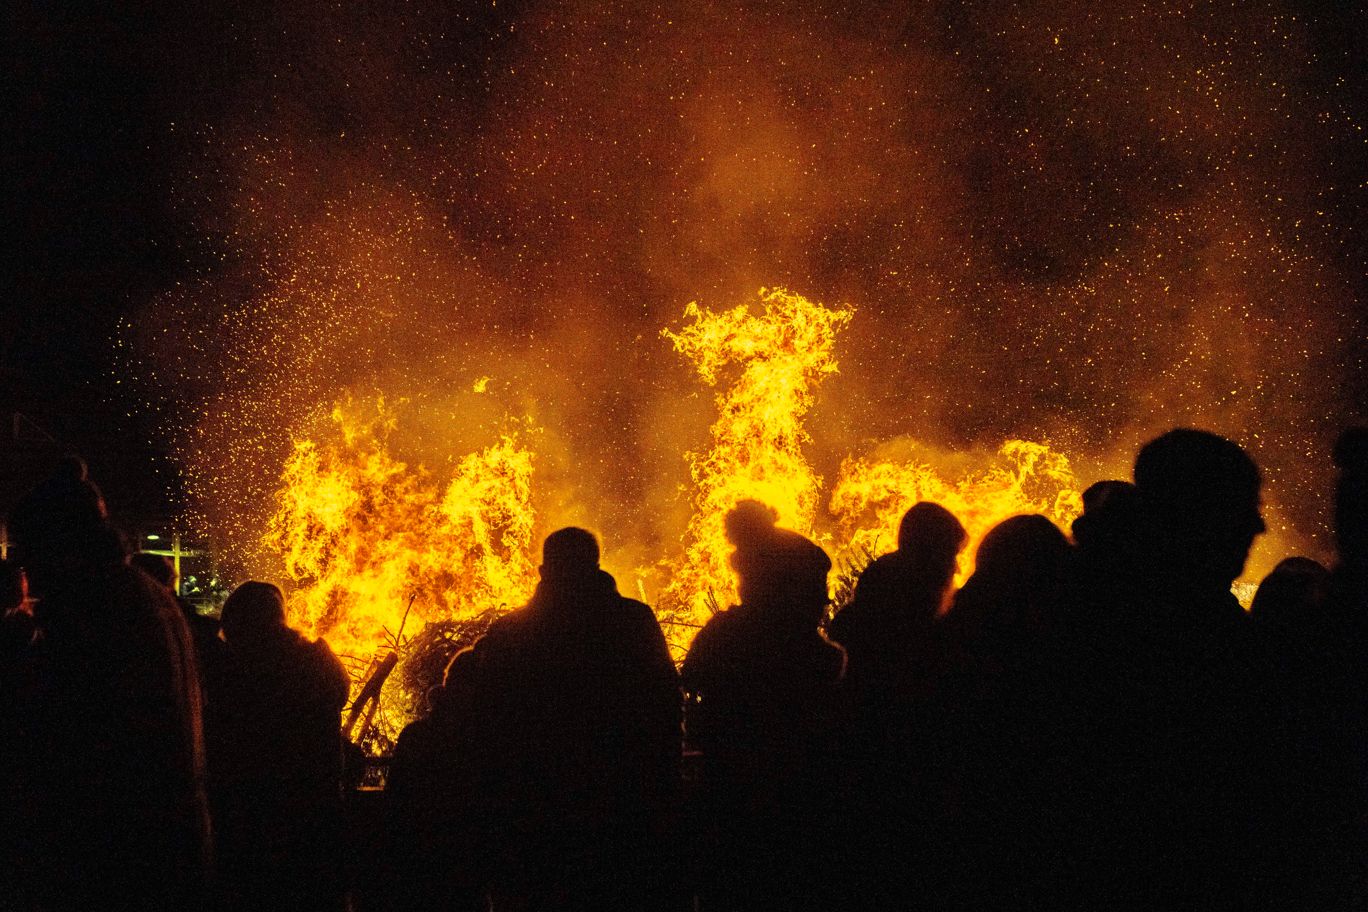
(359, 532)
(870, 496)
(756, 452)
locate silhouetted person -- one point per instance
(1349, 604)
(1171, 803)
(1351, 521)
(16, 623)
(1292, 595)
(210, 651)
(112, 762)
(1106, 537)
(1010, 599)
(889, 632)
(1321, 660)
(1310, 673)
(993, 728)
(887, 625)
(762, 684)
(276, 760)
(577, 703)
(1107, 511)
(437, 796)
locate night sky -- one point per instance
(1054, 221)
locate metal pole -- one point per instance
(175, 559)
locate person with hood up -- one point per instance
(578, 725)
(276, 759)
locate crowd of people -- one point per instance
(1091, 721)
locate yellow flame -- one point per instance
(360, 532)
(870, 496)
(756, 451)
(779, 356)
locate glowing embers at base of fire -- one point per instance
(360, 533)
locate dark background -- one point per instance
(96, 103)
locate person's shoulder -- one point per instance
(722, 623)
(514, 621)
(505, 642)
(503, 630)
(880, 572)
(413, 738)
(718, 632)
(320, 659)
(885, 563)
(639, 612)
(320, 650)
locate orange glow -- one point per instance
(870, 496)
(756, 442)
(359, 532)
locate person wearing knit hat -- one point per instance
(777, 568)
(761, 683)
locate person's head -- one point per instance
(1021, 557)
(1291, 595)
(1200, 492)
(1108, 508)
(931, 537)
(254, 610)
(157, 566)
(776, 568)
(460, 681)
(1351, 497)
(569, 554)
(60, 525)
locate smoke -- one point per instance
(1054, 221)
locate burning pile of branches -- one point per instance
(359, 531)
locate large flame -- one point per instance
(757, 441)
(1057, 262)
(870, 496)
(362, 535)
